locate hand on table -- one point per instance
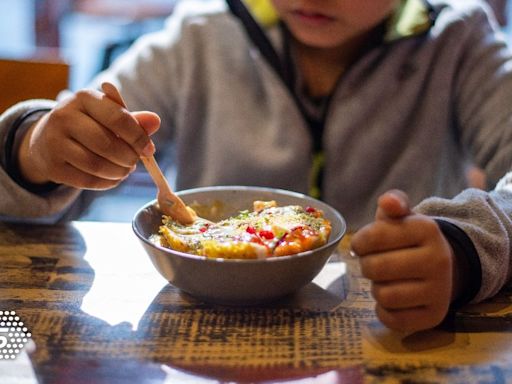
(409, 262)
(87, 142)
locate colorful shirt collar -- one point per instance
(411, 18)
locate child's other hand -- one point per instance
(87, 141)
(409, 262)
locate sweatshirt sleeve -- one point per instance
(486, 220)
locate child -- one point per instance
(340, 99)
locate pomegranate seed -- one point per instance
(266, 234)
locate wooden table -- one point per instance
(99, 312)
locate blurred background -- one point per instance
(75, 39)
(87, 34)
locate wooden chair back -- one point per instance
(22, 79)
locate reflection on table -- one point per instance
(100, 313)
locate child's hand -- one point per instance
(409, 262)
(87, 141)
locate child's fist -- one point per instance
(409, 262)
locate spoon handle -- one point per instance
(169, 202)
(155, 172)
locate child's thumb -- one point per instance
(150, 121)
(393, 204)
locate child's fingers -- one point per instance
(412, 319)
(88, 162)
(74, 177)
(150, 121)
(404, 294)
(117, 119)
(393, 204)
(103, 142)
(77, 166)
(386, 235)
(401, 264)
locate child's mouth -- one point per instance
(312, 18)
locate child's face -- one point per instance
(330, 23)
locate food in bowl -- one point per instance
(236, 281)
(267, 231)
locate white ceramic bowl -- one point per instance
(236, 282)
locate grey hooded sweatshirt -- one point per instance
(407, 114)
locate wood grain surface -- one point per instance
(99, 312)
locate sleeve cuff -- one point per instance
(11, 148)
(465, 250)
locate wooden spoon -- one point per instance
(170, 204)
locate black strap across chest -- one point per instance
(282, 66)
